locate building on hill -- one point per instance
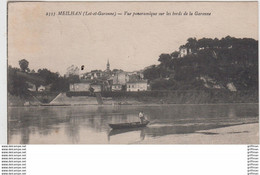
(31, 86)
(80, 87)
(41, 88)
(97, 79)
(96, 74)
(86, 75)
(85, 86)
(120, 78)
(108, 80)
(117, 87)
(138, 85)
(184, 51)
(137, 75)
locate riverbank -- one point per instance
(135, 98)
(177, 96)
(239, 134)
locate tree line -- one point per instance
(18, 78)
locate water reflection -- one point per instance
(115, 132)
(89, 124)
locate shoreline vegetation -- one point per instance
(135, 98)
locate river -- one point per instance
(89, 124)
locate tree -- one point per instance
(16, 85)
(191, 43)
(151, 73)
(165, 60)
(48, 76)
(175, 54)
(24, 65)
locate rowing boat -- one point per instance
(129, 125)
(113, 132)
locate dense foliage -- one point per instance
(18, 80)
(228, 60)
(15, 84)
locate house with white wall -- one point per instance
(137, 85)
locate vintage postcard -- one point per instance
(132, 73)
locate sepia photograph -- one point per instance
(132, 73)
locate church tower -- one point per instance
(108, 65)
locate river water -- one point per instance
(89, 124)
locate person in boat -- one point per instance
(141, 117)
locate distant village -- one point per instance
(107, 80)
(97, 80)
(112, 80)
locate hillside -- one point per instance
(227, 63)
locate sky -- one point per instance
(129, 43)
